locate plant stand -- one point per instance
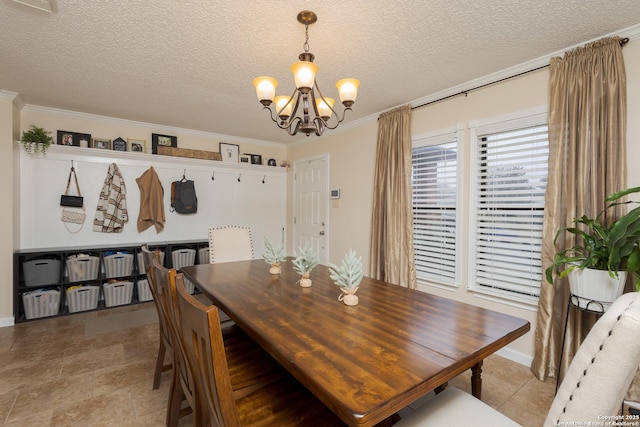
(582, 304)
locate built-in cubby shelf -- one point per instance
(39, 272)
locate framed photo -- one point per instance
(101, 143)
(162, 140)
(229, 152)
(74, 139)
(256, 159)
(137, 145)
(119, 144)
(245, 158)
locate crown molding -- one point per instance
(154, 128)
(13, 97)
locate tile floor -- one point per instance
(96, 369)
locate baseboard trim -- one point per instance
(515, 356)
(6, 321)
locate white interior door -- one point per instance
(310, 204)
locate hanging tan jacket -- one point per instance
(151, 201)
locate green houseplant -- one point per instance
(36, 140)
(599, 246)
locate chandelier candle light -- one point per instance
(317, 111)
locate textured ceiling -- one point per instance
(190, 63)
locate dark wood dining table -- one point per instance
(364, 362)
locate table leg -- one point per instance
(440, 388)
(476, 380)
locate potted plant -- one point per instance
(273, 257)
(36, 140)
(348, 277)
(608, 251)
(303, 265)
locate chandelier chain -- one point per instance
(306, 42)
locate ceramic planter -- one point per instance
(596, 285)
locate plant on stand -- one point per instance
(611, 249)
(273, 256)
(348, 277)
(36, 140)
(303, 265)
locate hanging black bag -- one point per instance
(183, 197)
(68, 200)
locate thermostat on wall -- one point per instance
(335, 193)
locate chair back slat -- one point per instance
(204, 347)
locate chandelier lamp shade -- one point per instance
(306, 110)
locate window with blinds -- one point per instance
(510, 184)
(434, 185)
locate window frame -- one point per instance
(436, 138)
(478, 129)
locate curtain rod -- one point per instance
(466, 92)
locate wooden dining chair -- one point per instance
(165, 343)
(230, 243)
(284, 402)
(250, 366)
(595, 383)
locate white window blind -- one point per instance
(434, 186)
(510, 187)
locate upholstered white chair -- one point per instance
(231, 243)
(593, 387)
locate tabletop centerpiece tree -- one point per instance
(348, 277)
(303, 264)
(273, 256)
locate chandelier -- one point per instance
(317, 112)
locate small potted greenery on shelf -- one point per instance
(303, 264)
(609, 249)
(36, 140)
(348, 277)
(273, 256)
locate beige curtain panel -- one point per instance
(587, 162)
(391, 252)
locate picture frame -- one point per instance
(229, 152)
(256, 159)
(137, 145)
(163, 141)
(101, 143)
(244, 158)
(119, 144)
(73, 139)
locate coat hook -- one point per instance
(184, 174)
(213, 176)
(263, 178)
(239, 177)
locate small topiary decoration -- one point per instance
(36, 140)
(348, 276)
(273, 256)
(303, 264)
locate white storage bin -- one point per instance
(118, 265)
(203, 256)
(184, 258)
(39, 272)
(82, 268)
(81, 298)
(117, 293)
(41, 303)
(141, 268)
(144, 292)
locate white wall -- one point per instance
(221, 201)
